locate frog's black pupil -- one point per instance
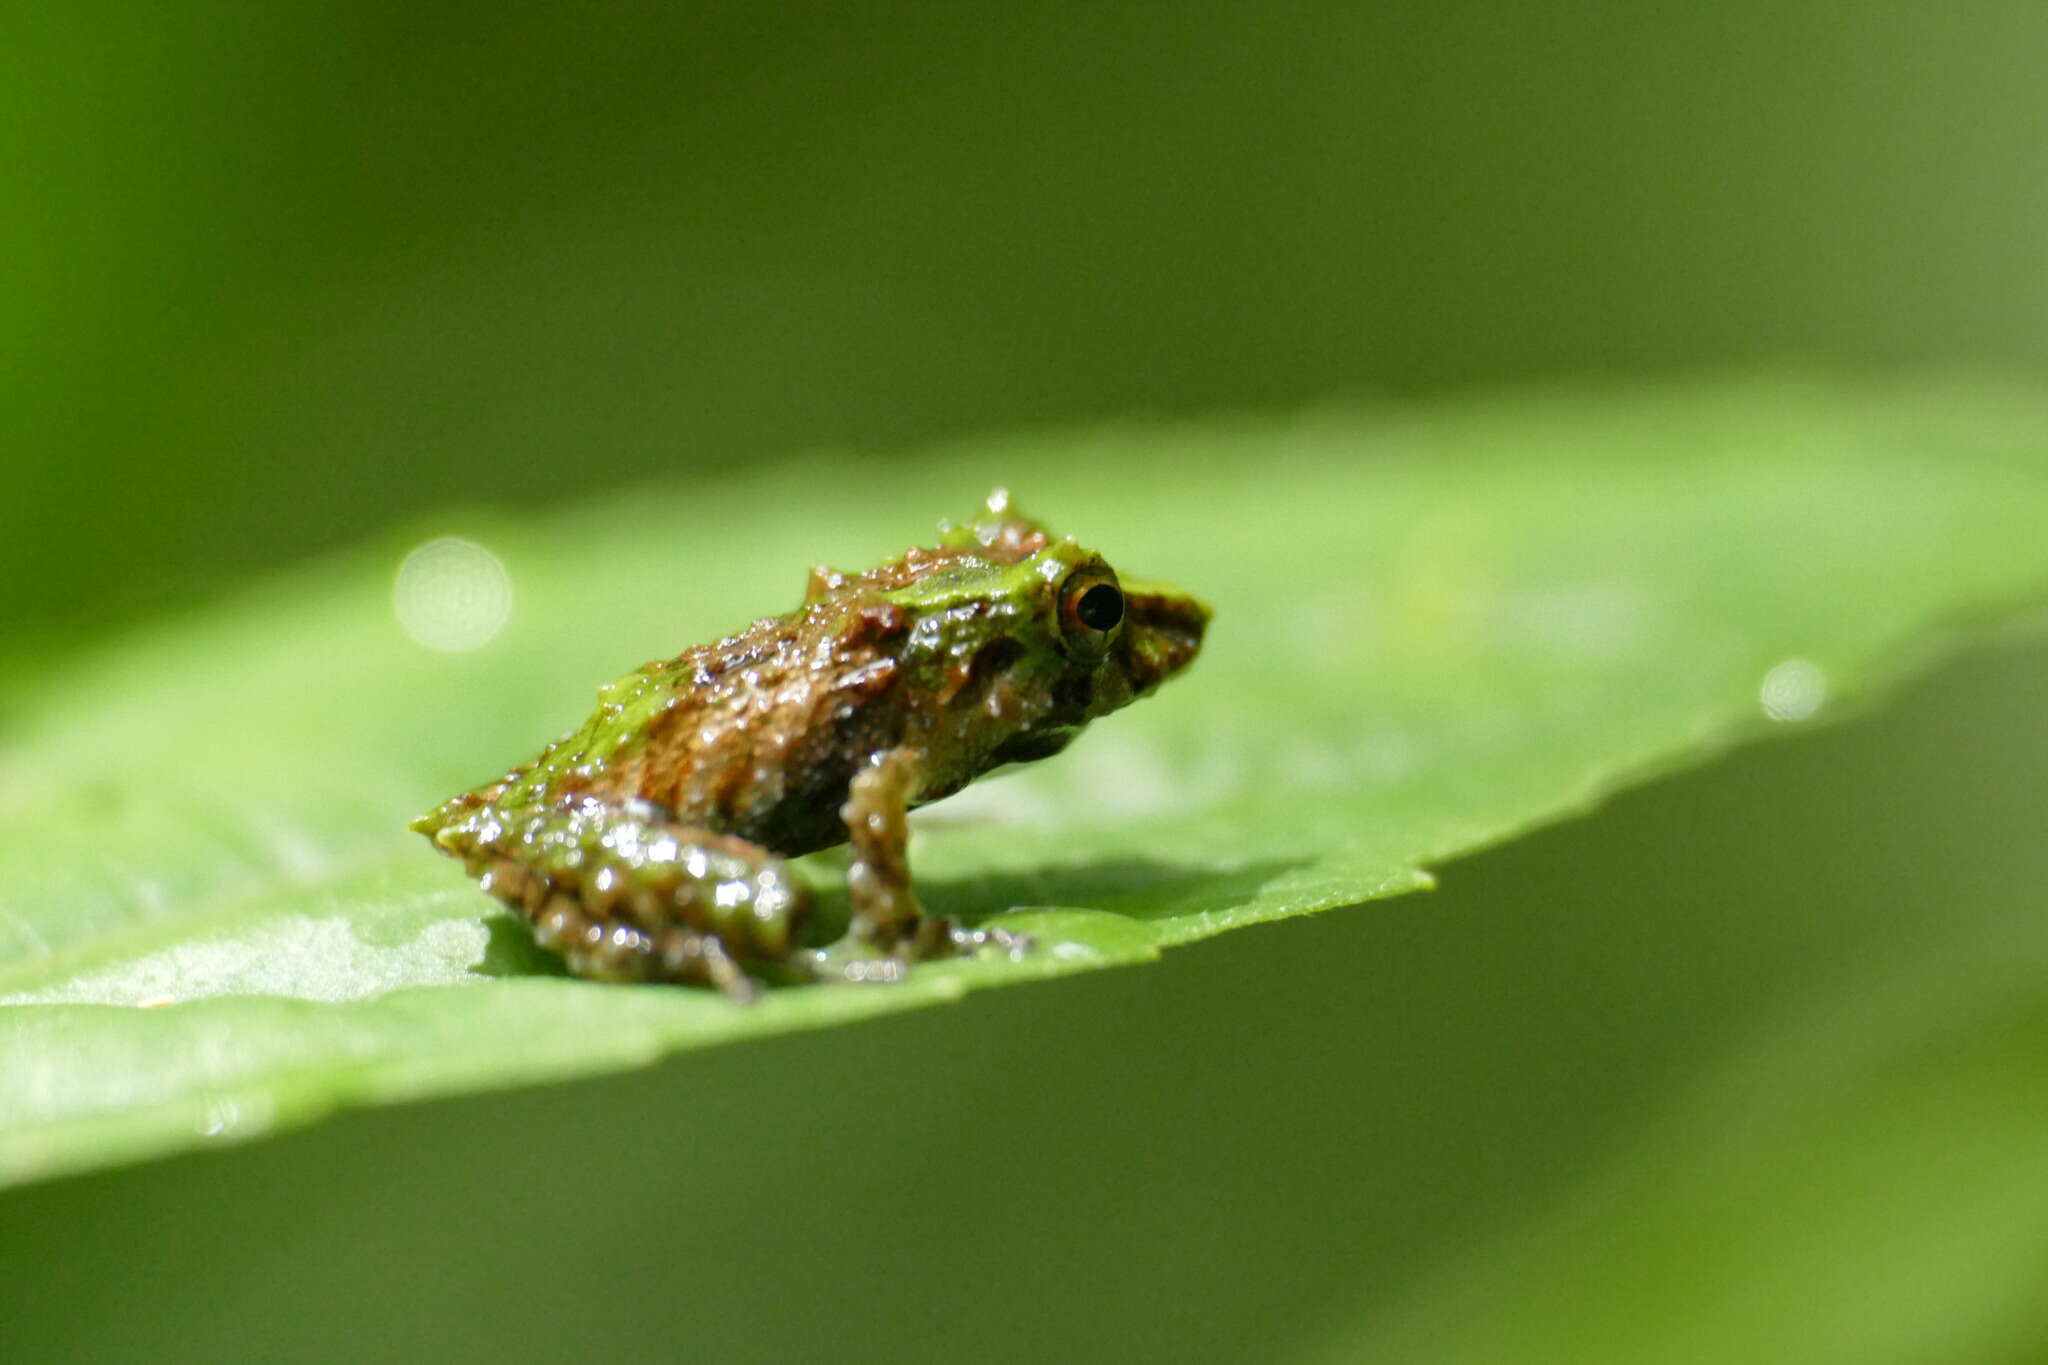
(1100, 608)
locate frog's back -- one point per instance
(756, 735)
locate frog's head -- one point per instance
(1027, 638)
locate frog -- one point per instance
(653, 843)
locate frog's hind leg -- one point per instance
(625, 893)
(886, 916)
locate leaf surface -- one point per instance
(1435, 628)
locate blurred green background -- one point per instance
(276, 277)
(276, 274)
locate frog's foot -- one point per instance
(939, 936)
(600, 950)
(859, 958)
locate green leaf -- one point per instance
(1434, 629)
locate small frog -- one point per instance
(649, 844)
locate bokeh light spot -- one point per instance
(1793, 690)
(452, 595)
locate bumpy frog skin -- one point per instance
(649, 844)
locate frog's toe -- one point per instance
(852, 960)
(969, 942)
(938, 936)
(722, 971)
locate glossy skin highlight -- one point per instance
(649, 843)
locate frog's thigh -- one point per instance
(877, 827)
(634, 896)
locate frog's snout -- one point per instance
(1162, 634)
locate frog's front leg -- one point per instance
(886, 918)
(623, 892)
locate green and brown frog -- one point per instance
(650, 843)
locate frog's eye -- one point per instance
(1091, 608)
